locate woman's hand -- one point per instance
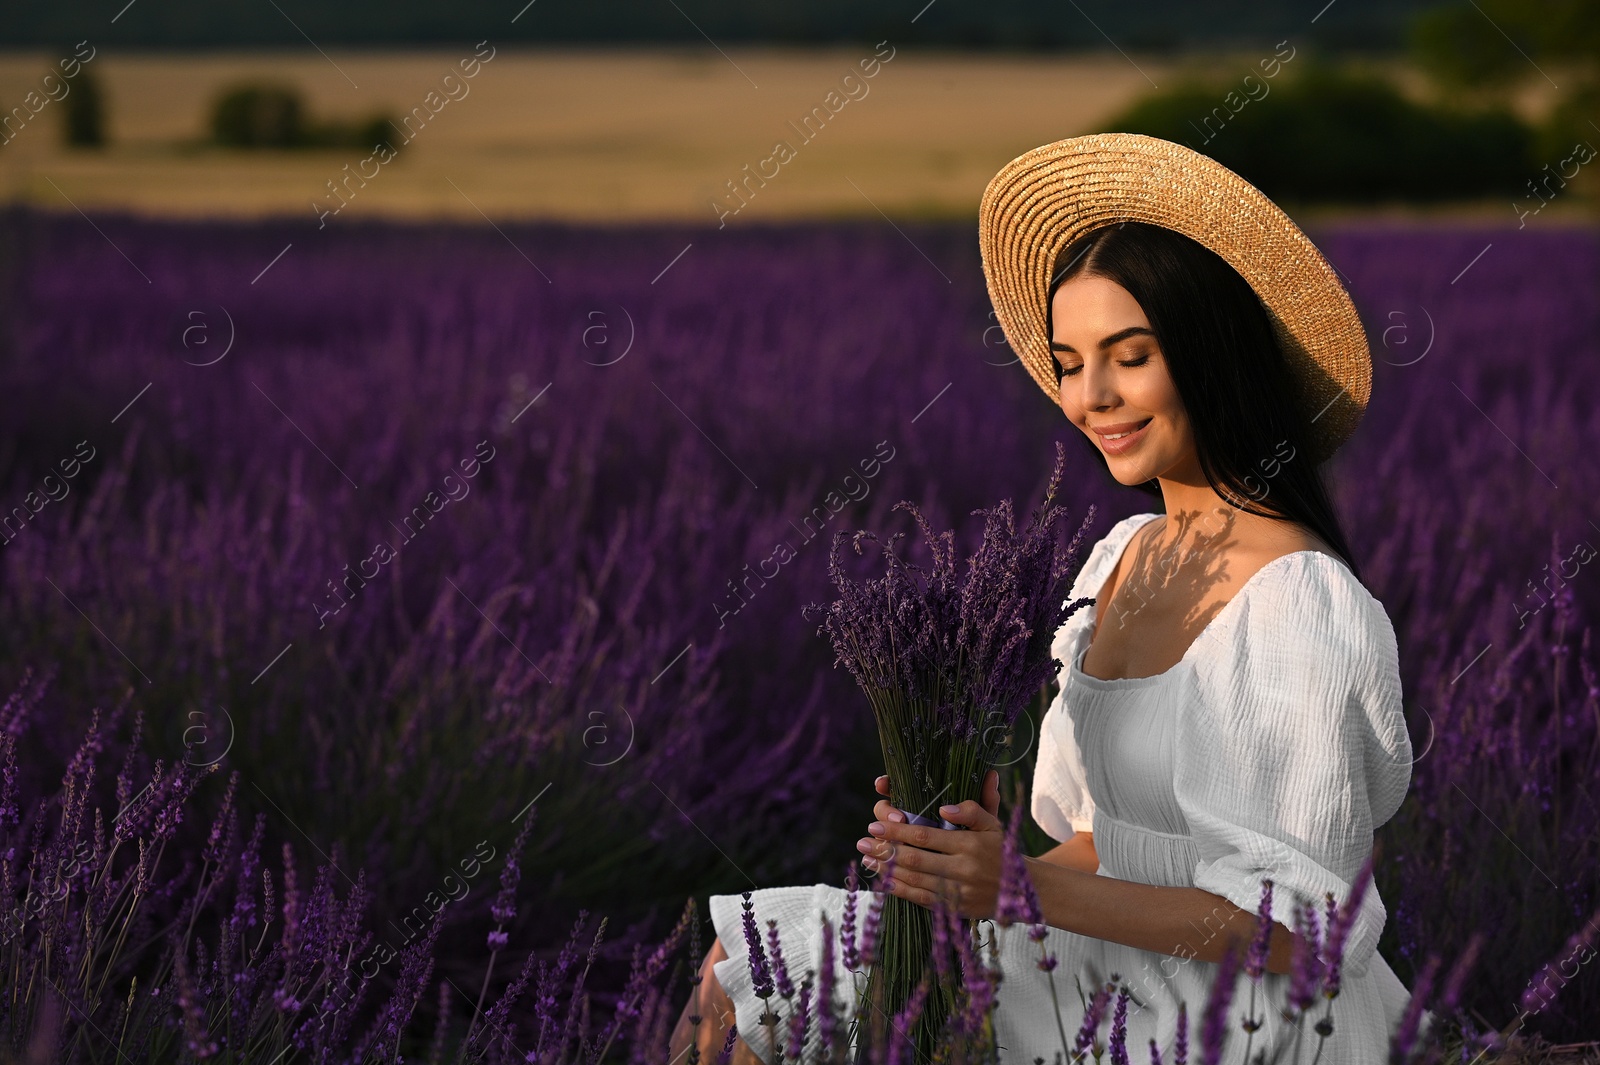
(968, 859)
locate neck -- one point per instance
(1197, 512)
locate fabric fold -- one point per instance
(1272, 770)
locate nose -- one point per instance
(1097, 391)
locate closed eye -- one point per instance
(1062, 371)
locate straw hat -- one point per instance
(1044, 199)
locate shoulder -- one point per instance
(1303, 671)
(1326, 603)
(1305, 624)
(1103, 556)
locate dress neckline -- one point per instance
(1092, 613)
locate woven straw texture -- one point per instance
(1044, 199)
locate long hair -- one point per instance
(1229, 370)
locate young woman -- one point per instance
(1229, 709)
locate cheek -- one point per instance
(1071, 406)
(1157, 394)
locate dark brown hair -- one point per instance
(1228, 368)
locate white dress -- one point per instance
(1271, 750)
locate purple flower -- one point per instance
(551, 977)
(780, 971)
(826, 1018)
(1305, 965)
(760, 977)
(869, 930)
(1089, 1031)
(1119, 1029)
(1405, 1033)
(725, 1055)
(941, 944)
(977, 979)
(905, 1022)
(1339, 924)
(1214, 1024)
(958, 654)
(1180, 1046)
(505, 903)
(221, 828)
(1017, 900)
(847, 922)
(197, 1038)
(799, 1019)
(1257, 962)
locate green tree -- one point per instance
(259, 116)
(83, 111)
(1317, 132)
(1490, 47)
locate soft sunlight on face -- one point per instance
(1122, 386)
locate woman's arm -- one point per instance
(1185, 922)
(1076, 853)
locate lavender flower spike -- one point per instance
(941, 945)
(780, 971)
(726, 1054)
(1256, 964)
(760, 978)
(827, 1020)
(1339, 926)
(980, 982)
(869, 929)
(847, 922)
(1305, 967)
(1017, 899)
(1088, 1034)
(1405, 1033)
(1119, 1029)
(1214, 1025)
(905, 1022)
(799, 1019)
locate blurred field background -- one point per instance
(648, 133)
(263, 393)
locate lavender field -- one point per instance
(403, 598)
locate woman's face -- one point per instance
(1116, 381)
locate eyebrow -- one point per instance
(1119, 335)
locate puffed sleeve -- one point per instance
(1061, 803)
(1295, 746)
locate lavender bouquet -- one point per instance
(947, 664)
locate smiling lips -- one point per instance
(1120, 430)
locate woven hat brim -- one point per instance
(1048, 197)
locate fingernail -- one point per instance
(949, 809)
(876, 828)
(865, 846)
(896, 816)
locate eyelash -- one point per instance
(1062, 373)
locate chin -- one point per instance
(1129, 475)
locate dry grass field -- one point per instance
(610, 135)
